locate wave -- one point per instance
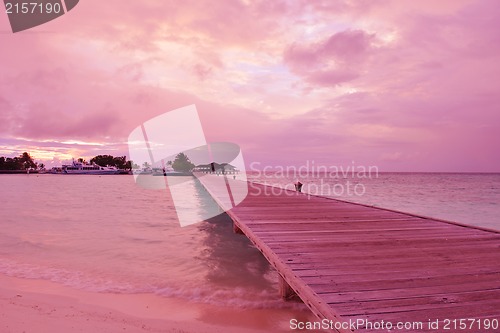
(240, 297)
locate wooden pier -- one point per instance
(350, 262)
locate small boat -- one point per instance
(143, 171)
(170, 172)
(84, 168)
(56, 170)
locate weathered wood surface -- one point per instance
(348, 261)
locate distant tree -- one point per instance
(120, 162)
(146, 165)
(128, 165)
(103, 160)
(107, 160)
(22, 162)
(182, 163)
(12, 164)
(26, 161)
(41, 166)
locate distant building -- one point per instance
(223, 168)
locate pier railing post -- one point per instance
(285, 290)
(236, 229)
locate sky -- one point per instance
(401, 85)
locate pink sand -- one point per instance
(42, 306)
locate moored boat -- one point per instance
(169, 171)
(84, 168)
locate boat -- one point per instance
(173, 173)
(56, 170)
(169, 171)
(143, 171)
(84, 168)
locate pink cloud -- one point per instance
(332, 61)
(344, 45)
(400, 85)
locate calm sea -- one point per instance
(467, 198)
(105, 234)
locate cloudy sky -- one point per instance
(402, 85)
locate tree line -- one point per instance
(21, 162)
(26, 162)
(108, 160)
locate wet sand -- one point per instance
(41, 306)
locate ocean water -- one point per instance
(106, 234)
(467, 198)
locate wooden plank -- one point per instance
(356, 308)
(332, 297)
(401, 272)
(363, 237)
(382, 266)
(458, 244)
(436, 254)
(366, 282)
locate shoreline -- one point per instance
(28, 305)
(18, 172)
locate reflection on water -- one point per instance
(231, 260)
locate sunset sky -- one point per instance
(402, 85)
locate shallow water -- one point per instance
(105, 234)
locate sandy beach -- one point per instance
(41, 306)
